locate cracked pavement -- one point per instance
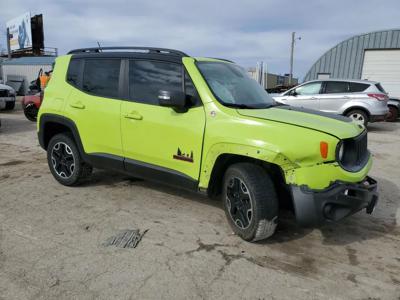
(51, 237)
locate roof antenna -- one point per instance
(100, 50)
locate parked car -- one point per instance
(394, 109)
(31, 105)
(202, 124)
(7, 97)
(363, 101)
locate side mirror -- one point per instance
(175, 100)
(294, 93)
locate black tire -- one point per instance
(63, 158)
(358, 115)
(10, 105)
(393, 114)
(260, 190)
(31, 112)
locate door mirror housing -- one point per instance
(175, 100)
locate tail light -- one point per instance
(380, 97)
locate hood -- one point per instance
(335, 125)
(6, 87)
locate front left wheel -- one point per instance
(65, 162)
(250, 201)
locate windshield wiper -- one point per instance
(248, 106)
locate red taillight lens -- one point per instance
(380, 97)
(323, 148)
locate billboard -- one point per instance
(20, 32)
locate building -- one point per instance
(372, 56)
(273, 80)
(19, 72)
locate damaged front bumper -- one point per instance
(315, 207)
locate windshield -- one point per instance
(232, 86)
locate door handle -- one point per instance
(134, 115)
(314, 98)
(78, 105)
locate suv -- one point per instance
(363, 101)
(204, 125)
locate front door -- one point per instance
(165, 142)
(306, 96)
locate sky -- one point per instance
(246, 32)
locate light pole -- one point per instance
(291, 56)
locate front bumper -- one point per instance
(4, 100)
(313, 208)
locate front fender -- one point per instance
(243, 150)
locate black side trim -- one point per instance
(160, 174)
(315, 112)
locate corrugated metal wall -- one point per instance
(28, 72)
(345, 59)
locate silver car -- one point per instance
(363, 101)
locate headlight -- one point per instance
(341, 151)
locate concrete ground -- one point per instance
(51, 237)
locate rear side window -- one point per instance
(147, 78)
(101, 77)
(358, 87)
(380, 88)
(74, 69)
(334, 87)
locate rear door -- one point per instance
(306, 95)
(165, 142)
(335, 94)
(94, 104)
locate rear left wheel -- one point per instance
(65, 162)
(250, 201)
(359, 116)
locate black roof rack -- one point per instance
(129, 49)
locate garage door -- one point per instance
(383, 66)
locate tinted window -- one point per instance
(191, 91)
(357, 87)
(100, 77)
(334, 87)
(73, 71)
(309, 89)
(148, 78)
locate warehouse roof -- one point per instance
(345, 60)
(31, 60)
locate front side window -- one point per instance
(101, 77)
(147, 78)
(232, 86)
(312, 88)
(335, 87)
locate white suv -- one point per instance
(363, 101)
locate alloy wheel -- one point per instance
(358, 118)
(238, 202)
(63, 160)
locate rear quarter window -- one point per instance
(380, 88)
(74, 69)
(358, 87)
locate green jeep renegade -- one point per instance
(203, 124)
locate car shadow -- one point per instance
(109, 178)
(382, 127)
(355, 228)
